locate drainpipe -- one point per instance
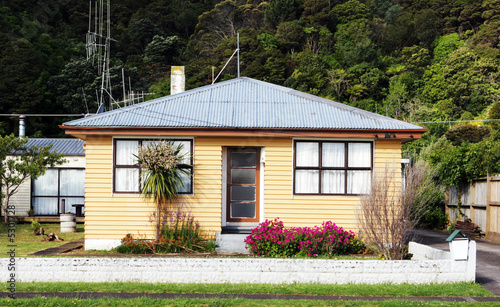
(22, 125)
(177, 80)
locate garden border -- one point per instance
(249, 270)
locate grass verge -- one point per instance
(454, 289)
(40, 301)
(27, 243)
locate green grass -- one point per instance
(40, 301)
(27, 243)
(455, 289)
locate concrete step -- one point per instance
(231, 243)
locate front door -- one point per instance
(243, 184)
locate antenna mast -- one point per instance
(238, 46)
(98, 43)
(238, 57)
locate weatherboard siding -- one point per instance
(108, 215)
(112, 215)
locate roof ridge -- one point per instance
(227, 104)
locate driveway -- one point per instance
(488, 257)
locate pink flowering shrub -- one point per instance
(272, 239)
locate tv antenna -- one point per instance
(237, 51)
(98, 46)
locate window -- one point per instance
(332, 168)
(127, 174)
(57, 184)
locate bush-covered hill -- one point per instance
(419, 61)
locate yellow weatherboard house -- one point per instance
(258, 151)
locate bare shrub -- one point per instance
(393, 208)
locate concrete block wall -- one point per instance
(236, 270)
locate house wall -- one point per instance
(22, 199)
(109, 217)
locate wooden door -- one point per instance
(243, 174)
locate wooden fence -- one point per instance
(480, 203)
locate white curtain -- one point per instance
(127, 180)
(125, 151)
(332, 181)
(72, 182)
(45, 205)
(46, 185)
(307, 154)
(306, 181)
(333, 155)
(358, 182)
(359, 155)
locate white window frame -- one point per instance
(309, 168)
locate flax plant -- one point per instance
(162, 174)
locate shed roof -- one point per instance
(70, 147)
(242, 103)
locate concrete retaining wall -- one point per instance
(237, 270)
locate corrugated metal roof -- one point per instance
(70, 147)
(242, 103)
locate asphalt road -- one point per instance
(488, 257)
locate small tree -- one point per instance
(390, 211)
(162, 174)
(25, 163)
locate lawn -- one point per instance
(144, 301)
(397, 291)
(26, 242)
(454, 289)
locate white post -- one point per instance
(471, 262)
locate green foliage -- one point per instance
(161, 50)
(445, 45)
(494, 113)
(37, 227)
(352, 10)
(279, 11)
(162, 174)
(465, 162)
(26, 163)
(268, 40)
(179, 233)
(467, 133)
(434, 219)
(420, 60)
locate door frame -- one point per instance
(259, 188)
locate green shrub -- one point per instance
(434, 219)
(179, 233)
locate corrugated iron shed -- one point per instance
(242, 103)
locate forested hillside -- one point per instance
(418, 61)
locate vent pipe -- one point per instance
(22, 131)
(177, 80)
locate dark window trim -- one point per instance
(140, 140)
(320, 168)
(58, 196)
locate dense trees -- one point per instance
(418, 61)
